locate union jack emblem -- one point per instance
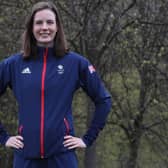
(91, 69)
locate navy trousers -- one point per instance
(64, 160)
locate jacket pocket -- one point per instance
(67, 126)
(20, 130)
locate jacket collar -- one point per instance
(42, 50)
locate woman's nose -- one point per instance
(44, 25)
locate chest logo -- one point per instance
(26, 71)
(60, 69)
(91, 69)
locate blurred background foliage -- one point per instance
(127, 42)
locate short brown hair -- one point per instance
(29, 45)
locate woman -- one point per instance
(44, 78)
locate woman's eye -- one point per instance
(38, 22)
(50, 21)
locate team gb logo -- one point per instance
(60, 69)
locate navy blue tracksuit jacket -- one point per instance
(44, 89)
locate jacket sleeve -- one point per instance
(4, 82)
(4, 75)
(95, 89)
(3, 135)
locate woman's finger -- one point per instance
(70, 143)
(73, 142)
(19, 137)
(68, 137)
(19, 143)
(15, 142)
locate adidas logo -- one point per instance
(26, 71)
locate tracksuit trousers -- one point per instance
(64, 160)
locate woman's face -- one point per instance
(45, 27)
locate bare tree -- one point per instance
(138, 107)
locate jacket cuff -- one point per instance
(90, 136)
(87, 143)
(4, 139)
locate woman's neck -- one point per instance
(46, 45)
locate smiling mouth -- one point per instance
(44, 35)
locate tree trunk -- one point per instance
(90, 157)
(90, 153)
(133, 152)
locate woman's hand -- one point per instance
(15, 142)
(72, 142)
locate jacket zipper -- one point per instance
(67, 126)
(42, 103)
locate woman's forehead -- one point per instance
(44, 14)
